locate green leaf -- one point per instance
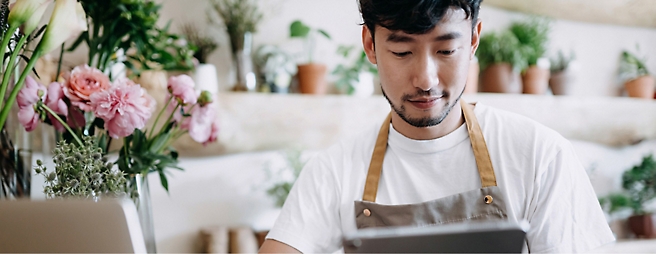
(324, 33)
(164, 181)
(298, 29)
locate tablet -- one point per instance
(469, 237)
(68, 226)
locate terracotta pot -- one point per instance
(535, 80)
(642, 87)
(643, 225)
(561, 83)
(311, 79)
(500, 78)
(472, 78)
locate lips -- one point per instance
(424, 103)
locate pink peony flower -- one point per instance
(55, 102)
(27, 98)
(214, 134)
(201, 124)
(82, 83)
(124, 107)
(182, 88)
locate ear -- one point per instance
(476, 36)
(368, 44)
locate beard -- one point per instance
(423, 122)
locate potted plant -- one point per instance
(205, 73)
(276, 68)
(532, 37)
(240, 19)
(637, 80)
(561, 77)
(501, 62)
(639, 184)
(358, 77)
(311, 75)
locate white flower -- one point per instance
(27, 13)
(68, 19)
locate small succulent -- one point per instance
(81, 172)
(632, 66)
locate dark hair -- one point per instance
(412, 16)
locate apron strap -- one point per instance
(483, 161)
(376, 164)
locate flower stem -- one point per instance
(79, 141)
(6, 108)
(158, 116)
(5, 41)
(10, 68)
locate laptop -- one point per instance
(470, 237)
(65, 226)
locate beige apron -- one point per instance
(483, 204)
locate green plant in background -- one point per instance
(131, 26)
(632, 66)
(81, 171)
(532, 36)
(239, 17)
(561, 62)
(203, 43)
(639, 184)
(300, 30)
(348, 75)
(280, 190)
(495, 48)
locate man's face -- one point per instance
(423, 75)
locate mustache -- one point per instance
(422, 94)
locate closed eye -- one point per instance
(446, 52)
(401, 54)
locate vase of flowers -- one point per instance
(20, 27)
(240, 19)
(205, 73)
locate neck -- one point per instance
(451, 122)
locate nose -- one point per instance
(425, 76)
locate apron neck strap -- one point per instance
(483, 161)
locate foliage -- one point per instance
(348, 75)
(532, 36)
(631, 66)
(130, 26)
(280, 190)
(204, 44)
(561, 62)
(300, 30)
(501, 47)
(81, 171)
(639, 184)
(239, 17)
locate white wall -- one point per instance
(597, 46)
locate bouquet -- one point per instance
(87, 103)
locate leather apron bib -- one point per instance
(483, 204)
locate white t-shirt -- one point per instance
(536, 169)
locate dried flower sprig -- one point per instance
(81, 172)
(205, 44)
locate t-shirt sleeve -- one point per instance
(309, 220)
(564, 213)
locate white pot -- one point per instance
(365, 86)
(206, 78)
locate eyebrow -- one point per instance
(395, 37)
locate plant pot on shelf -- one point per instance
(561, 82)
(535, 80)
(641, 87)
(643, 225)
(500, 78)
(206, 79)
(471, 87)
(311, 78)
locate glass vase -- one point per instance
(140, 192)
(245, 79)
(15, 159)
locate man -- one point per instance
(436, 159)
